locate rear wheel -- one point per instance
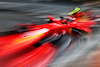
(78, 32)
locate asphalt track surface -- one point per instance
(12, 13)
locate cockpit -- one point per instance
(65, 20)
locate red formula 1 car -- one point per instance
(36, 45)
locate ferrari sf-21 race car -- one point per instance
(37, 44)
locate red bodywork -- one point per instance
(18, 51)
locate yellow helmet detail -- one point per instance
(75, 11)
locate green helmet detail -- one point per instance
(75, 11)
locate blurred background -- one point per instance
(81, 54)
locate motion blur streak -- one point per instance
(38, 57)
(60, 41)
(14, 43)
